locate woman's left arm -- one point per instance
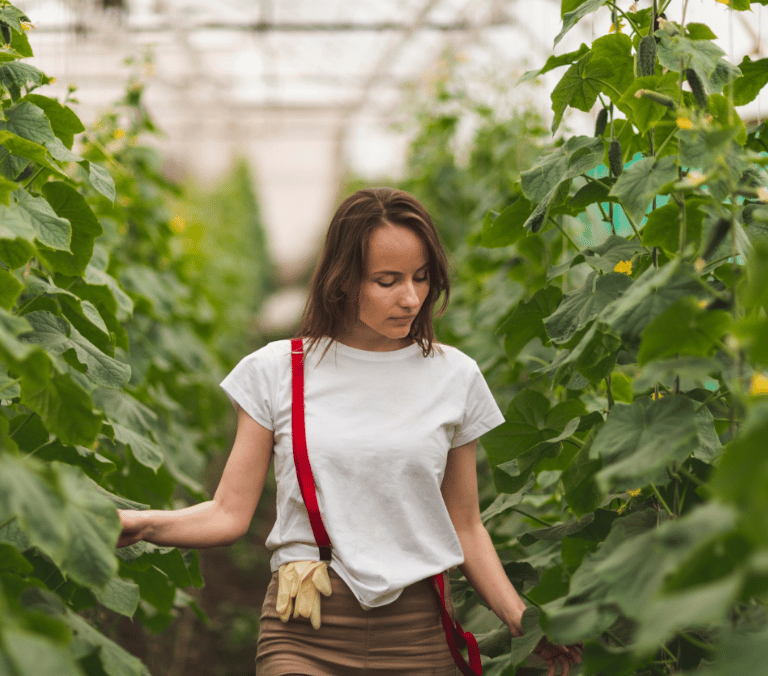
(482, 566)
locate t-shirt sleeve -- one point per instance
(481, 412)
(251, 384)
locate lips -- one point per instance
(401, 319)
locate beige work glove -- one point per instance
(304, 581)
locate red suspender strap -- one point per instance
(457, 638)
(300, 455)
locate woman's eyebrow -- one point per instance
(395, 272)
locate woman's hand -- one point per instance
(133, 523)
(554, 655)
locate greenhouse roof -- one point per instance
(307, 90)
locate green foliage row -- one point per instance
(626, 490)
(109, 367)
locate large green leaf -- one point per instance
(119, 595)
(28, 121)
(695, 607)
(146, 451)
(16, 151)
(64, 406)
(100, 179)
(678, 53)
(650, 294)
(12, 16)
(754, 76)
(643, 111)
(571, 18)
(14, 226)
(581, 306)
(607, 255)
(81, 313)
(507, 227)
(617, 48)
(525, 322)
(10, 288)
(740, 651)
(96, 275)
(632, 563)
(663, 226)
(15, 75)
(115, 660)
(594, 356)
(580, 85)
(93, 528)
(554, 62)
(31, 491)
(525, 422)
(578, 155)
(640, 440)
(64, 122)
(512, 476)
(641, 182)
(741, 478)
(683, 328)
(53, 231)
(33, 655)
(57, 335)
(71, 205)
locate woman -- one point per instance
(391, 431)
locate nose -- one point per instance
(409, 298)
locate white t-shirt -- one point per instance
(379, 426)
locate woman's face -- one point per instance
(392, 291)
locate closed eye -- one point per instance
(423, 279)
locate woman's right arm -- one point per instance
(223, 519)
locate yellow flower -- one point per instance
(634, 492)
(724, 2)
(623, 266)
(655, 397)
(52, 80)
(758, 384)
(684, 123)
(694, 178)
(119, 133)
(177, 224)
(615, 28)
(26, 25)
(703, 304)
(762, 194)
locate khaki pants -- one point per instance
(405, 637)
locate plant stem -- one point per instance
(618, 9)
(29, 417)
(712, 397)
(689, 476)
(576, 442)
(6, 522)
(664, 142)
(565, 234)
(683, 224)
(634, 228)
(696, 642)
(662, 501)
(32, 180)
(530, 516)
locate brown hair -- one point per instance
(330, 311)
